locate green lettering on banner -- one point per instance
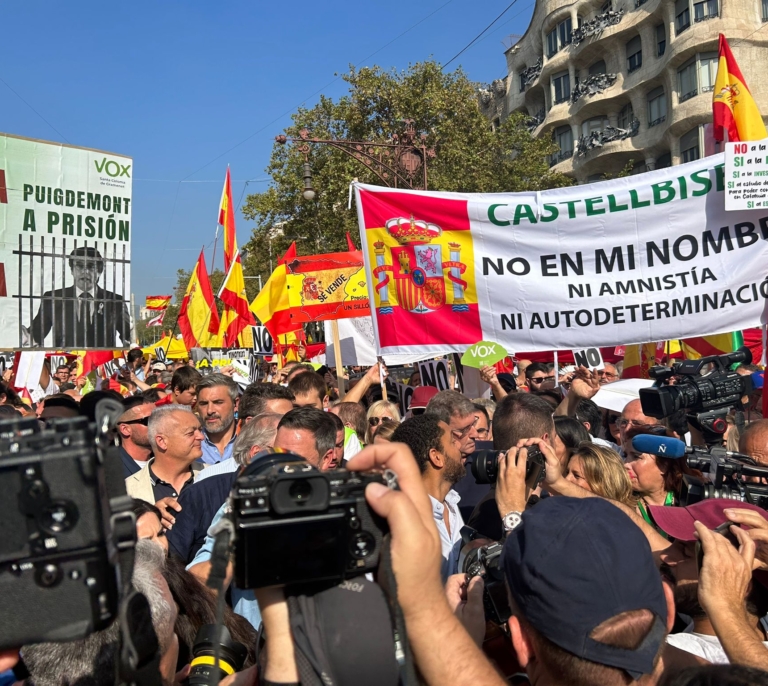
(613, 207)
(524, 210)
(29, 220)
(636, 202)
(53, 220)
(666, 187)
(591, 209)
(492, 216)
(553, 213)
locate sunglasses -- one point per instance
(541, 379)
(415, 411)
(375, 421)
(143, 420)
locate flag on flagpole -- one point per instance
(158, 302)
(227, 220)
(638, 359)
(733, 108)
(237, 314)
(289, 256)
(312, 288)
(198, 317)
(158, 320)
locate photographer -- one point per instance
(519, 416)
(442, 467)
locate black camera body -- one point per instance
(485, 561)
(57, 580)
(485, 466)
(706, 398)
(295, 524)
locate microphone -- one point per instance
(663, 446)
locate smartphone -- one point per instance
(724, 530)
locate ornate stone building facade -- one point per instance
(628, 80)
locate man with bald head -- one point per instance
(133, 429)
(175, 436)
(632, 416)
(754, 441)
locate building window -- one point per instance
(689, 146)
(626, 116)
(561, 85)
(522, 79)
(661, 39)
(765, 10)
(635, 54)
(563, 136)
(705, 9)
(597, 68)
(594, 125)
(559, 37)
(686, 80)
(682, 15)
(657, 106)
(664, 161)
(708, 63)
(638, 168)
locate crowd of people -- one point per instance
(610, 575)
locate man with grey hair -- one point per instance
(200, 502)
(458, 412)
(175, 435)
(217, 399)
(92, 661)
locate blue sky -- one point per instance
(180, 86)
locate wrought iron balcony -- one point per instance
(559, 157)
(593, 85)
(536, 119)
(597, 139)
(596, 26)
(529, 75)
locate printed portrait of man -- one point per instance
(84, 314)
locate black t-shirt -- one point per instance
(162, 489)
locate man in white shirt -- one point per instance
(442, 465)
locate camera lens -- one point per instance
(232, 655)
(485, 466)
(300, 490)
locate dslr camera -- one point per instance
(485, 466)
(295, 524)
(705, 394)
(485, 561)
(60, 533)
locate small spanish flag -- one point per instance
(158, 302)
(733, 107)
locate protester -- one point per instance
(754, 441)
(134, 360)
(481, 431)
(175, 436)
(353, 416)
(62, 375)
(183, 387)
(536, 374)
(149, 523)
(309, 390)
(385, 431)
(498, 389)
(569, 435)
(217, 399)
(133, 432)
(263, 398)
(608, 374)
(420, 399)
(600, 470)
(309, 433)
(632, 417)
(380, 410)
(458, 412)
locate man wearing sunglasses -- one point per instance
(536, 374)
(135, 449)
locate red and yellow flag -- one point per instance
(158, 302)
(227, 220)
(733, 107)
(638, 359)
(237, 314)
(198, 317)
(312, 288)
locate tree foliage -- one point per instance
(470, 157)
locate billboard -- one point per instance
(65, 246)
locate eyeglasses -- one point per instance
(541, 379)
(458, 434)
(375, 421)
(607, 375)
(143, 420)
(624, 423)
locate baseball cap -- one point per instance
(159, 367)
(677, 522)
(758, 378)
(421, 396)
(574, 563)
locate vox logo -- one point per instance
(112, 168)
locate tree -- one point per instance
(470, 157)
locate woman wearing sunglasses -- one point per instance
(381, 409)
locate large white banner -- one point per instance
(636, 259)
(65, 246)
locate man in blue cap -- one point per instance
(588, 604)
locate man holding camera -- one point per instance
(442, 467)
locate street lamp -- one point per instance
(401, 163)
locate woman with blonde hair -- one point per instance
(381, 409)
(600, 470)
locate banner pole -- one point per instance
(381, 378)
(557, 372)
(337, 355)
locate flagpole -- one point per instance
(215, 241)
(337, 355)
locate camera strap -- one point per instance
(139, 652)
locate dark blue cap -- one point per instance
(574, 563)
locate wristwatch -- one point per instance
(511, 521)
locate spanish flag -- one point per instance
(158, 302)
(227, 220)
(638, 359)
(198, 317)
(237, 315)
(312, 288)
(733, 107)
(706, 346)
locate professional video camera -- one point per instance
(485, 466)
(66, 528)
(295, 524)
(706, 396)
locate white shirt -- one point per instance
(450, 543)
(707, 647)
